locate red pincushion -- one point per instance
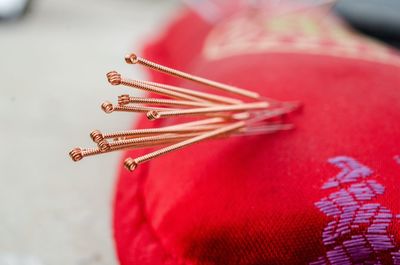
(327, 192)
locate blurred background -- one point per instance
(53, 63)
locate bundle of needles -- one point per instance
(221, 116)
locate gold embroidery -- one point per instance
(297, 33)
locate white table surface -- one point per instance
(52, 81)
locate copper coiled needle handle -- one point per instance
(134, 59)
(131, 164)
(230, 116)
(155, 114)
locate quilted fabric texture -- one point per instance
(324, 193)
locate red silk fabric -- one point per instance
(260, 199)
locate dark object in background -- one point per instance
(13, 9)
(378, 18)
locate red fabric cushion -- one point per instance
(326, 192)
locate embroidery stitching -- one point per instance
(359, 230)
(297, 33)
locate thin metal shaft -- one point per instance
(134, 59)
(131, 164)
(154, 114)
(108, 107)
(78, 154)
(266, 129)
(199, 122)
(139, 132)
(126, 99)
(115, 78)
(149, 139)
(100, 139)
(106, 146)
(198, 94)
